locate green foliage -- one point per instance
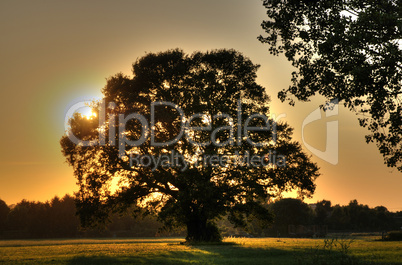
(349, 50)
(210, 83)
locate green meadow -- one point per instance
(363, 250)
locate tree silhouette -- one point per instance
(322, 211)
(4, 210)
(290, 211)
(63, 221)
(216, 167)
(30, 218)
(349, 50)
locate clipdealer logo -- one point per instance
(331, 152)
(237, 135)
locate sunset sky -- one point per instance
(54, 54)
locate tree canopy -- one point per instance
(188, 138)
(349, 50)
(290, 211)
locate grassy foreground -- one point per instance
(170, 251)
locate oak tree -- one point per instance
(189, 139)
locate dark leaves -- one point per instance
(350, 50)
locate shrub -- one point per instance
(394, 236)
(333, 252)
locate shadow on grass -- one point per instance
(230, 254)
(330, 254)
(205, 254)
(81, 260)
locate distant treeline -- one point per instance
(57, 219)
(293, 217)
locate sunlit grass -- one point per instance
(170, 251)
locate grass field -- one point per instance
(364, 250)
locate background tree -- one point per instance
(4, 210)
(30, 219)
(383, 219)
(358, 214)
(210, 84)
(63, 221)
(322, 211)
(349, 50)
(290, 211)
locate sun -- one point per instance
(87, 112)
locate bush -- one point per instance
(394, 236)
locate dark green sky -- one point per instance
(56, 53)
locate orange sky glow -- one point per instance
(55, 54)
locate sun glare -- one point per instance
(87, 113)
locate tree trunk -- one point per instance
(196, 230)
(200, 230)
